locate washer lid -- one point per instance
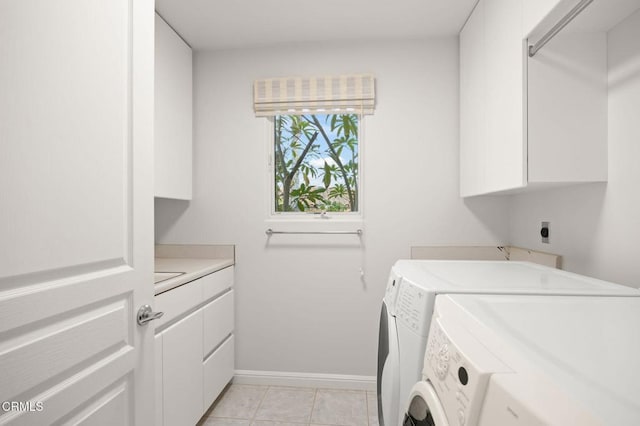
(588, 347)
(424, 408)
(502, 277)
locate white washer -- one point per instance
(529, 361)
(408, 307)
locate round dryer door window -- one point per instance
(424, 408)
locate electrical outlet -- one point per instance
(545, 232)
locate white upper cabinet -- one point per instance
(473, 122)
(504, 94)
(492, 99)
(534, 122)
(173, 114)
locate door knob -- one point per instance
(146, 314)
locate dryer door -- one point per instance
(388, 380)
(424, 408)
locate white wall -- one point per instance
(596, 228)
(302, 307)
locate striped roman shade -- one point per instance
(329, 94)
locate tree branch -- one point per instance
(352, 200)
(286, 186)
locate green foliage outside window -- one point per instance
(316, 163)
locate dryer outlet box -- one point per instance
(545, 231)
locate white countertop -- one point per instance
(193, 269)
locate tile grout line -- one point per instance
(313, 404)
(253, 418)
(366, 404)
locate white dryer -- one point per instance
(388, 380)
(412, 290)
(530, 361)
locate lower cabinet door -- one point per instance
(182, 371)
(218, 371)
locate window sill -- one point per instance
(313, 218)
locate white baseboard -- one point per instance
(311, 380)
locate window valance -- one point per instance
(328, 94)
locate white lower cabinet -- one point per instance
(194, 348)
(218, 371)
(182, 371)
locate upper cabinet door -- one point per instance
(504, 104)
(76, 252)
(473, 121)
(492, 149)
(173, 114)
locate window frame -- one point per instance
(297, 216)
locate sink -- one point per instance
(163, 276)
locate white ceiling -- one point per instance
(224, 24)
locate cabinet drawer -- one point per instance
(177, 301)
(218, 371)
(216, 283)
(218, 321)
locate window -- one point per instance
(315, 156)
(316, 163)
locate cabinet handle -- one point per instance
(146, 314)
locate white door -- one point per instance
(76, 219)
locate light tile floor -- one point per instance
(252, 405)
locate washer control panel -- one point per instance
(413, 308)
(442, 361)
(459, 367)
